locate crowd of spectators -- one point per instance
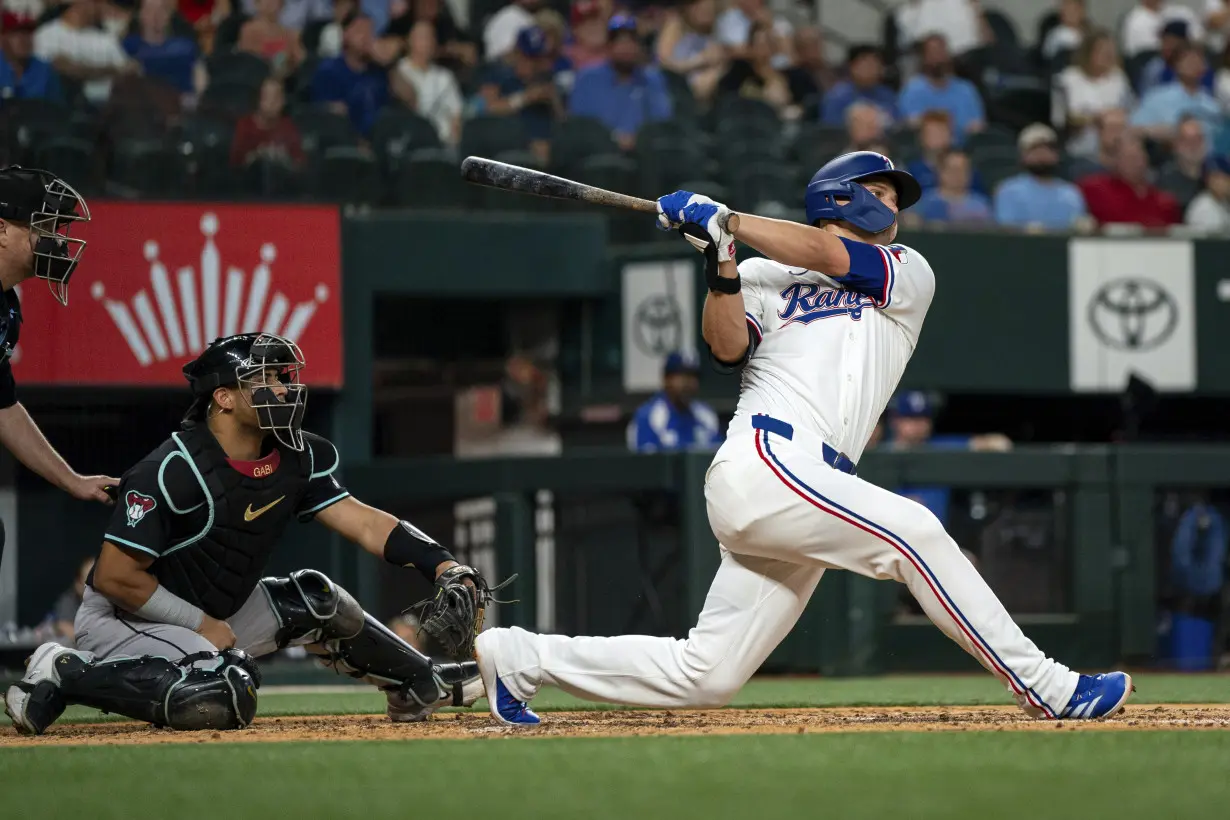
(1132, 125)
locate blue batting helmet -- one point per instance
(838, 180)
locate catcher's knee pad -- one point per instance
(310, 608)
(379, 657)
(206, 690)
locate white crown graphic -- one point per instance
(204, 310)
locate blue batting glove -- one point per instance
(670, 209)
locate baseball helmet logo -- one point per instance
(138, 505)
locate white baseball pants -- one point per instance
(783, 517)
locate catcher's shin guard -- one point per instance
(206, 690)
(379, 657)
(310, 608)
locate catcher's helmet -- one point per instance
(839, 179)
(50, 206)
(250, 362)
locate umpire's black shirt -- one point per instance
(10, 328)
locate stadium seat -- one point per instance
(616, 172)
(74, 160)
(397, 132)
(321, 130)
(227, 34)
(268, 179)
(995, 136)
(205, 144)
(577, 138)
(237, 67)
(757, 184)
(665, 164)
(299, 85)
(26, 123)
(146, 167)
(229, 99)
(486, 136)
(685, 107)
(996, 167)
(349, 175)
(744, 113)
(429, 178)
(816, 144)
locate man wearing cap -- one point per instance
(500, 35)
(22, 75)
(352, 83)
(521, 84)
(1160, 69)
(1160, 109)
(36, 213)
(1143, 24)
(622, 91)
(1038, 197)
(673, 419)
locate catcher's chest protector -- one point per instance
(241, 520)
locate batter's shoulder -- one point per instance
(759, 269)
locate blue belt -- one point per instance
(836, 460)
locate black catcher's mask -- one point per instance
(50, 206)
(254, 362)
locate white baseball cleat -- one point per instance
(35, 701)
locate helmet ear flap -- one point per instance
(862, 209)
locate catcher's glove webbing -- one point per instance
(453, 617)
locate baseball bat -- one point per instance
(482, 171)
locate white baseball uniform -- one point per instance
(826, 356)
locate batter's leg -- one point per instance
(782, 501)
(752, 604)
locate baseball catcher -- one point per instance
(177, 605)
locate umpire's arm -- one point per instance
(21, 437)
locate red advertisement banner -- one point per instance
(159, 281)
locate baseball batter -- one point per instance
(822, 330)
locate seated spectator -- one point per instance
(952, 200)
(1217, 24)
(352, 83)
(266, 37)
(1038, 197)
(1183, 176)
(455, 49)
(935, 87)
(1210, 209)
(79, 51)
(734, 30)
(810, 74)
(22, 75)
(267, 133)
(555, 30)
(1160, 70)
(330, 44)
(426, 88)
(673, 418)
(754, 76)
(687, 45)
(175, 60)
(522, 84)
(959, 20)
(1124, 194)
(1110, 125)
(1069, 33)
(588, 46)
(64, 615)
(622, 92)
(500, 35)
(1143, 24)
(935, 140)
(864, 127)
(864, 83)
(1091, 85)
(1161, 108)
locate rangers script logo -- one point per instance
(138, 506)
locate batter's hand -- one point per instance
(93, 488)
(686, 208)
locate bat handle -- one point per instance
(729, 222)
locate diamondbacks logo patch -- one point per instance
(138, 506)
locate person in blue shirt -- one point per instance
(952, 201)
(160, 53)
(1161, 69)
(22, 75)
(864, 83)
(352, 83)
(622, 91)
(673, 419)
(1160, 109)
(1038, 197)
(521, 84)
(935, 87)
(935, 139)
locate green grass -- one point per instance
(1053, 775)
(934, 690)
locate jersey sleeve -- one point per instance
(643, 435)
(142, 517)
(8, 387)
(751, 274)
(897, 278)
(324, 489)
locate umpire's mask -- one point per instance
(266, 369)
(50, 206)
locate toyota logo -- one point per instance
(1133, 314)
(658, 325)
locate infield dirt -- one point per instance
(621, 723)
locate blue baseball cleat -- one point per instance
(1098, 696)
(505, 707)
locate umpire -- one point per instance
(37, 211)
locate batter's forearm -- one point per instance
(21, 437)
(724, 325)
(792, 243)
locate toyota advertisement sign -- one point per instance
(159, 282)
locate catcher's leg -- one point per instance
(307, 609)
(205, 690)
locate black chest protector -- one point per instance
(10, 323)
(218, 568)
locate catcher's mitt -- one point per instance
(453, 617)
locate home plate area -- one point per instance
(620, 723)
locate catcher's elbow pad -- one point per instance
(408, 546)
